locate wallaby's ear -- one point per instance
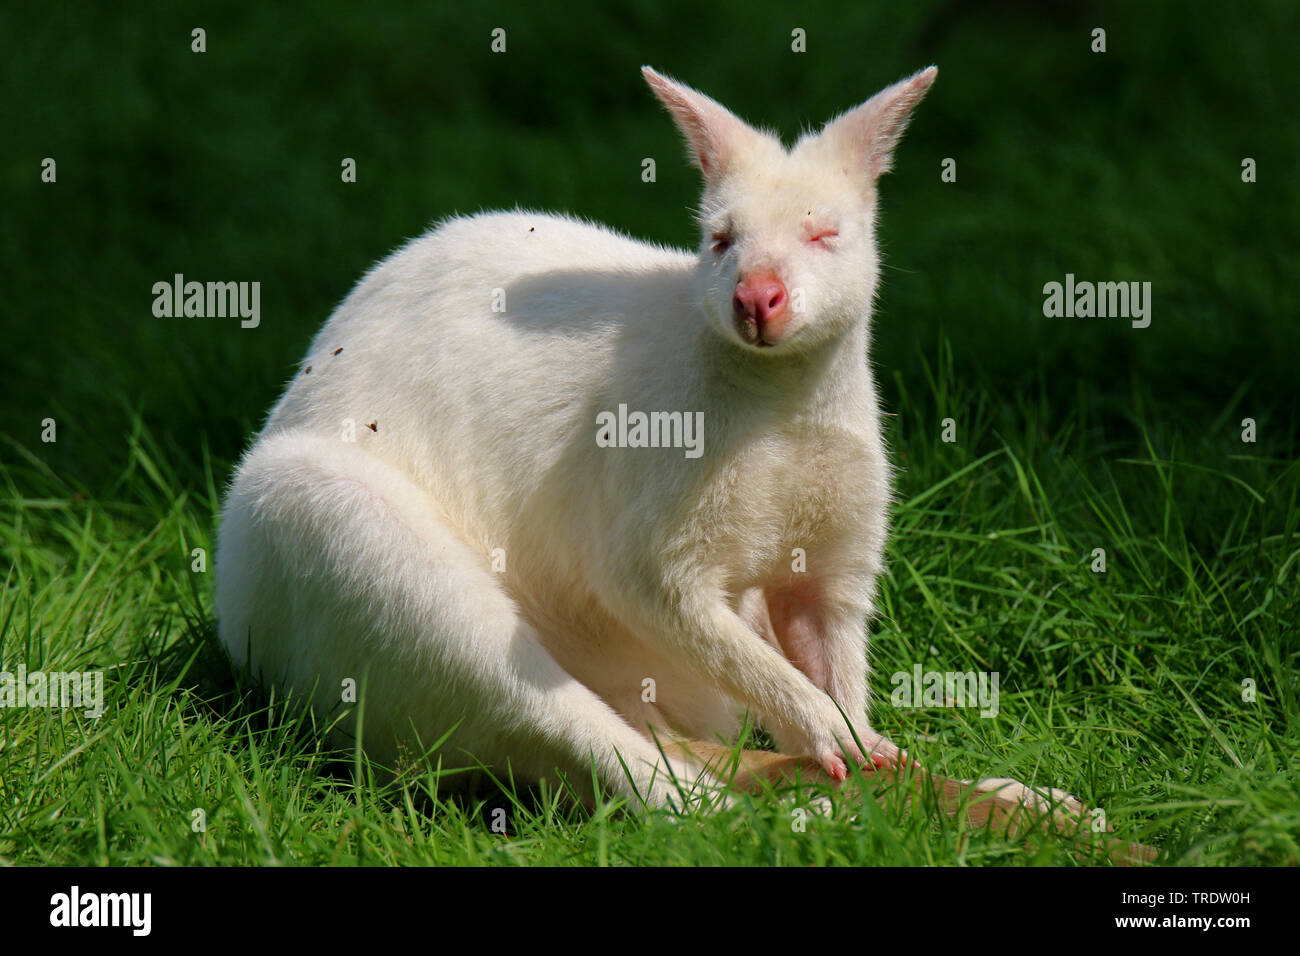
(868, 133)
(712, 132)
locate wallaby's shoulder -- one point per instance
(540, 240)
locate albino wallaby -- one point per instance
(583, 502)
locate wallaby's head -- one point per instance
(787, 248)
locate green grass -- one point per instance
(1124, 688)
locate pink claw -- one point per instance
(837, 769)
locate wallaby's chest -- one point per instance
(793, 495)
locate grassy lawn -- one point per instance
(1162, 691)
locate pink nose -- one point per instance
(759, 306)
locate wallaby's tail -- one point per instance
(1006, 805)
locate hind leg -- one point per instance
(332, 565)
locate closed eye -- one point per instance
(821, 235)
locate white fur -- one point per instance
(372, 559)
